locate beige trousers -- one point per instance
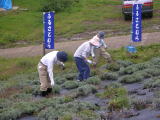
(43, 76)
(101, 52)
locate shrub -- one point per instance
(56, 89)
(71, 76)
(156, 100)
(60, 80)
(109, 76)
(140, 103)
(86, 90)
(113, 90)
(124, 63)
(134, 68)
(118, 103)
(66, 116)
(58, 5)
(153, 71)
(127, 70)
(93, 80)
(89, 115)
(155, 61)
(152, 83)
(113, 67)
(35, 82)
(70, 84)
(65, 110)
(131, 78)
(118, 96)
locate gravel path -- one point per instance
(70, 46)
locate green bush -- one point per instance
(153, 83)
(65, 110)
(139, 103)
(131, 78)
(70, 84)
(113, 90)
(71, 76)
(58, 5)
(127, 70)
(66, 116)
(155, 61)
(124, 63)
(153, 71)
(134, 68)
(156, 100)
(60, 80)
(118, 103)
(86, 90)
(113, 67)
(56, 89)
(109, 76)
(93, 80)
(89, 115)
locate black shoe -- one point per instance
(49, 90)
(44, 93)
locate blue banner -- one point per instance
(48, 21)
(137, 23)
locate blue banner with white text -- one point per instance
(48, 21)
(137, 23)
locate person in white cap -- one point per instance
(81, 59)
(100, 50)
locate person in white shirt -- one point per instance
(101, 49)
(81, 59)
(45, 69)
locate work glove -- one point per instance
(89, 61)
(63, 67)
(93, 56)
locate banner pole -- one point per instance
(44, 49)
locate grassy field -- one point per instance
(23, 27)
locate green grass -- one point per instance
(86, 16)
(143, 53)
(12, 66)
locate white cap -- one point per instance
(95, 41)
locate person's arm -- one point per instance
(103, 43)
(50, 72)
(92, 51)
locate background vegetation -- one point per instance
(25, 25)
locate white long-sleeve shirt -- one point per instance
(49, 60)
(84, 50)
(102, 44)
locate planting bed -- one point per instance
(120, 91)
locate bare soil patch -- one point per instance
(71, 46)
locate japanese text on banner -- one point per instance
(49, 30)
(137, 23)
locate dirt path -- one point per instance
(113, 43)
